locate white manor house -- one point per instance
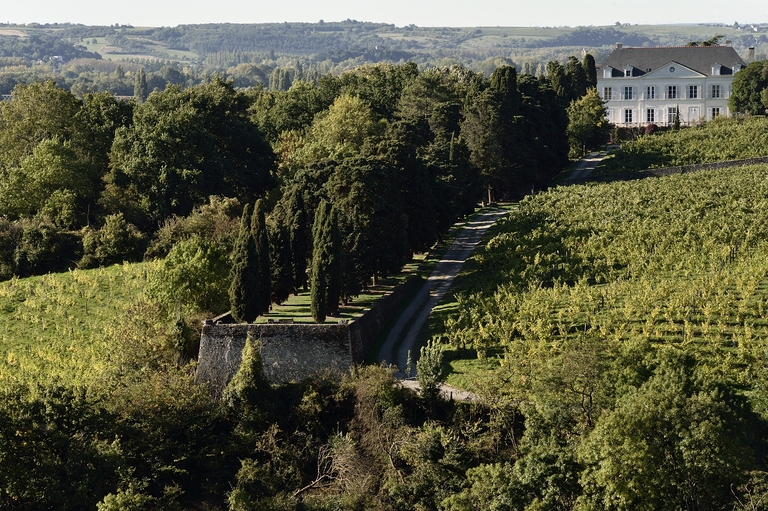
(642, 86)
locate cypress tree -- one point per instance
(334, 264)
(298, 236)
(590, 70)
(244, 280)
(140, 86)
(318, 278)
(325, 281)
(262, 270)
(280, 257)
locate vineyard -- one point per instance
(678, 261)
(718, 140)
(67, 325)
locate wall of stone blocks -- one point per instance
(292, 352)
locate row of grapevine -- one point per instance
(718, 140)
(679, 260)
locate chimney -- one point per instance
(618, 46)
(751, 54)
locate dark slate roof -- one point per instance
(698, 58)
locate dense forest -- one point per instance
(101, 180)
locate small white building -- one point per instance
(642, 86)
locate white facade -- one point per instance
(656, 95)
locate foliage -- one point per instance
(694, 432)
(114, 242)
(325, 276)
(216, 221)
(55, 449)
(587, 125)
(245, 282)
(748, 85)
(51, 181)
(38, 112)
(183, 146)
(429, 368)
(368, 206)
(193, 278)
(261, 241)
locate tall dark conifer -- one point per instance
(590, 70)
(261, 242)
(280, 257)
(576, 79)
(140, 92)
(325, 281)
(298, 234)
(244, 287)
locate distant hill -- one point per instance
(352, 39)
(92, 58)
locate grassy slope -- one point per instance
(61, 324)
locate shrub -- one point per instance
(216, 220)
(44, 247)
(116, 241)
(10, 237)
(193, 278)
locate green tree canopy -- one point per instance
(680, 440)
(185, 145)
(748, 85)
(586, 123)
(39, 111)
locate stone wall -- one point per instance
(682, 169)
(289, 352)
(365, 329)
(292, 352)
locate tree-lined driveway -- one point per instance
(413, 317)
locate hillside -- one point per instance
(675, 261)
(315, 49)
(719, 140)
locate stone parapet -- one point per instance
(295, 351)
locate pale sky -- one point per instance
(426, 13)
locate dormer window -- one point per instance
(716, 70)
(628, 71)
(608, 72)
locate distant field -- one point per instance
(426, 44)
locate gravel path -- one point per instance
(587, 165)
(433, 290)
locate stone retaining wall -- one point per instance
(682, 169)
(292, 352)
